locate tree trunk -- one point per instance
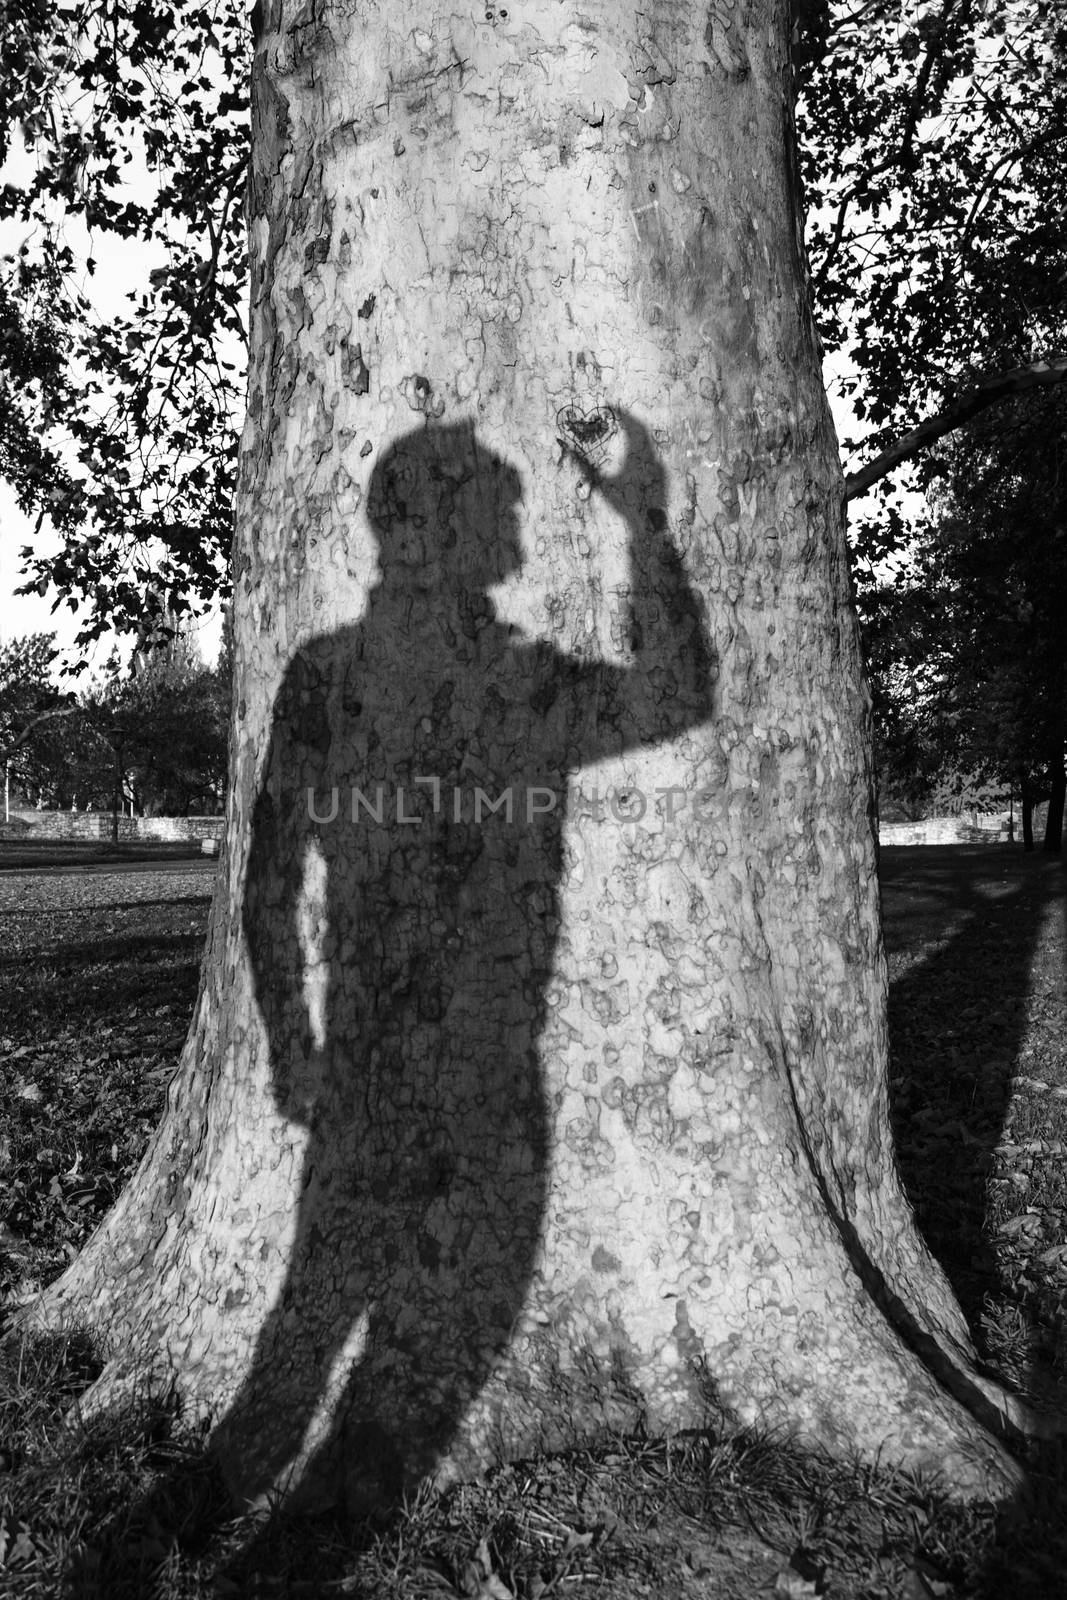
(1028, 817)
(1057, 793)
(500, 1128)
(116, 794)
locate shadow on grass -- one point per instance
(123, 1505)
(958, 1020)
(81, 987)
(20, 855)
(197, 905)
(969, 921)
(107, 949)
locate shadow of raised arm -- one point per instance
(670, 684)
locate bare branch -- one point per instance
(1042, 374)
(43, 716)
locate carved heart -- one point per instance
(587, 433)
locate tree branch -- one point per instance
(43, 716)
(1036, 375)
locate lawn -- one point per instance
(98, 973)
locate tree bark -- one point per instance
(497, 1131)
(1053, 842)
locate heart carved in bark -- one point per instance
(587, 433)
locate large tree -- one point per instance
(537, 1081)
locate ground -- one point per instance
(98, 973)
(978, 1024)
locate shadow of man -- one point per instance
(402, 916)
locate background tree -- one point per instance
(932, 148)
(968, 644)
(179, 751)
(30, 703)
(554, 1130)
(158, 728)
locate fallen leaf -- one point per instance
(1027, 1223)
(790, 1585)
(480, 1582)
(926, 1582)
(577, 1541)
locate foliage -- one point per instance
(114, 102)
(157, 733)
(162, 729)
(931, 144)
(968, 648)
(30, 705)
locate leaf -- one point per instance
(577, 1541)
(494, 1588)
(480, 1582)
(22, 1549)
(791, 1585)
(925, 1582)
(1026, 1223)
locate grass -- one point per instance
(978, 1023)
(32, 855)
(128, 1505)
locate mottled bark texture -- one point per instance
(499, 1129)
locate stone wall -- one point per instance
(971, 828)
(967, 829)
(98, 825)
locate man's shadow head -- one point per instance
(444, 510)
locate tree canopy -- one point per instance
(129, 122)
(966, 646)
(152, 736)
(30, 703)
(932, 148)
(932, 157)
